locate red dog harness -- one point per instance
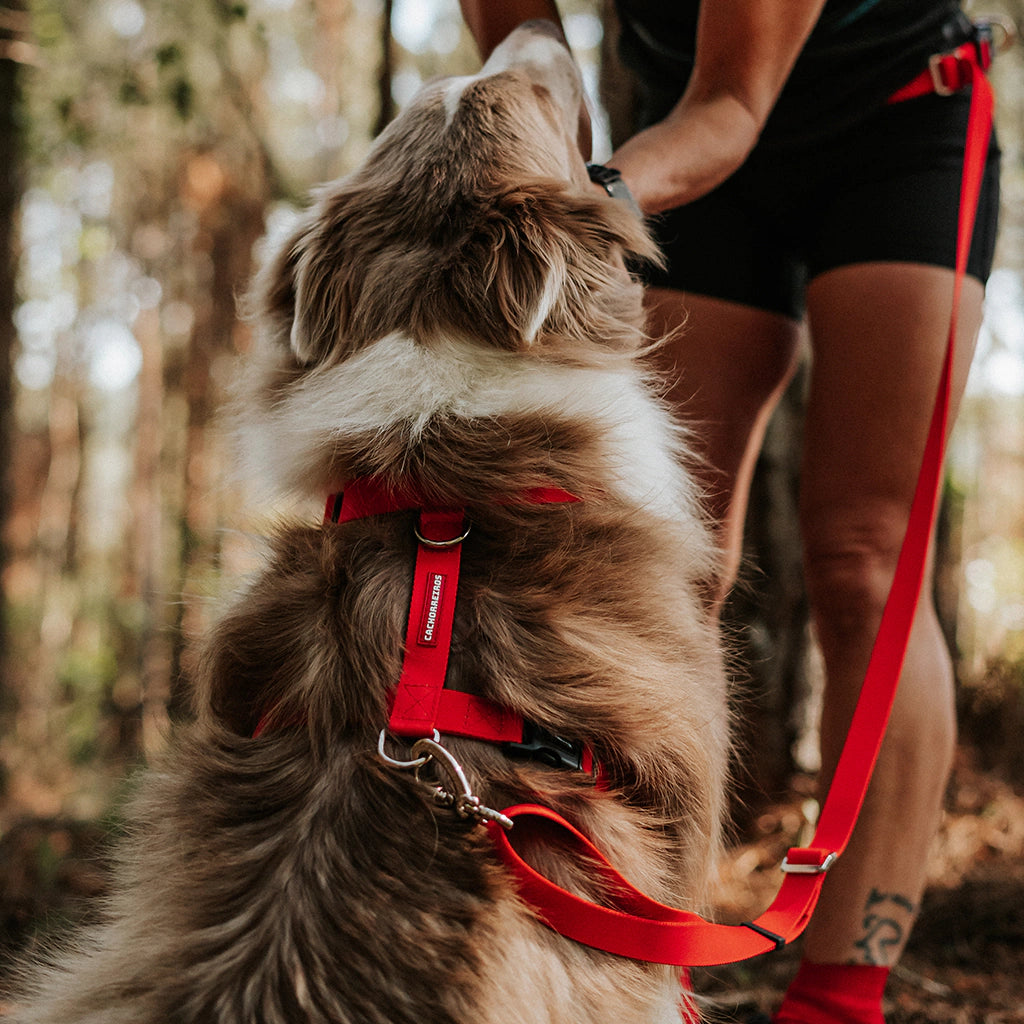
(420, 705)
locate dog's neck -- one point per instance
(390, 396)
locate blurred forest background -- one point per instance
(145, 148)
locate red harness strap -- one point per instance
(420, 703)
(640, 928)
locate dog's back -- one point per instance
(454, 319)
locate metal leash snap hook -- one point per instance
(1000, 30)
(451, 787)
(392, 762)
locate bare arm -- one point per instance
(490, 21)
(745, 52)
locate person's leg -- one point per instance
(727, 365)
(878, 340)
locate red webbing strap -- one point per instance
(370, 496)
(642, 929)
(948, 72)
(428, 636)
(846, 793)
(639, 927)
(420, 703)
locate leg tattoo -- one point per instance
(886, 919)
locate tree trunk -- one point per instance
(10, 194)
(386, 70)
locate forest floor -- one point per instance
(964, 963)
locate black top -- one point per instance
(858, 54)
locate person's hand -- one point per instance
(681, 158)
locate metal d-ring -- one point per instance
(419, 762)
(450, 543)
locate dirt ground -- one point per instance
(964, 964)
(965, 960)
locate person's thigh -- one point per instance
(726, 365)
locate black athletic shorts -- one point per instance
(884, 189)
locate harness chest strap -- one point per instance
(643, 929)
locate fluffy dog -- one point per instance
(454, 319)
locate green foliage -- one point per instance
(86, 675)
(168, 55)
(132, 92)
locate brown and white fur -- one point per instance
(455, 315)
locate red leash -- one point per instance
(639, 927)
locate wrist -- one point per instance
(686, 155)
(610, 179)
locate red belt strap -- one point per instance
(640, 928)
(948, 73)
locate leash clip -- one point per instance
(985, 36)
(449, 785)
(451, 788)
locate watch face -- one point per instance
(606, 176)
(611, 180)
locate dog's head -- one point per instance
(472, 218)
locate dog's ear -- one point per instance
(272, 297)
(322, 286)
(554, 263)
(524, 266)
(300, 290)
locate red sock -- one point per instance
(834, 994)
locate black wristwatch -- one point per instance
(611, 181)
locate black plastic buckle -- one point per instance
(540, 745)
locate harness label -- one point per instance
(431, 609)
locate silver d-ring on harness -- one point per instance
(450, 543)
(418, 762)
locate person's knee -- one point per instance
(849, 560)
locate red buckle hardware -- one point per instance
(812, 860)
